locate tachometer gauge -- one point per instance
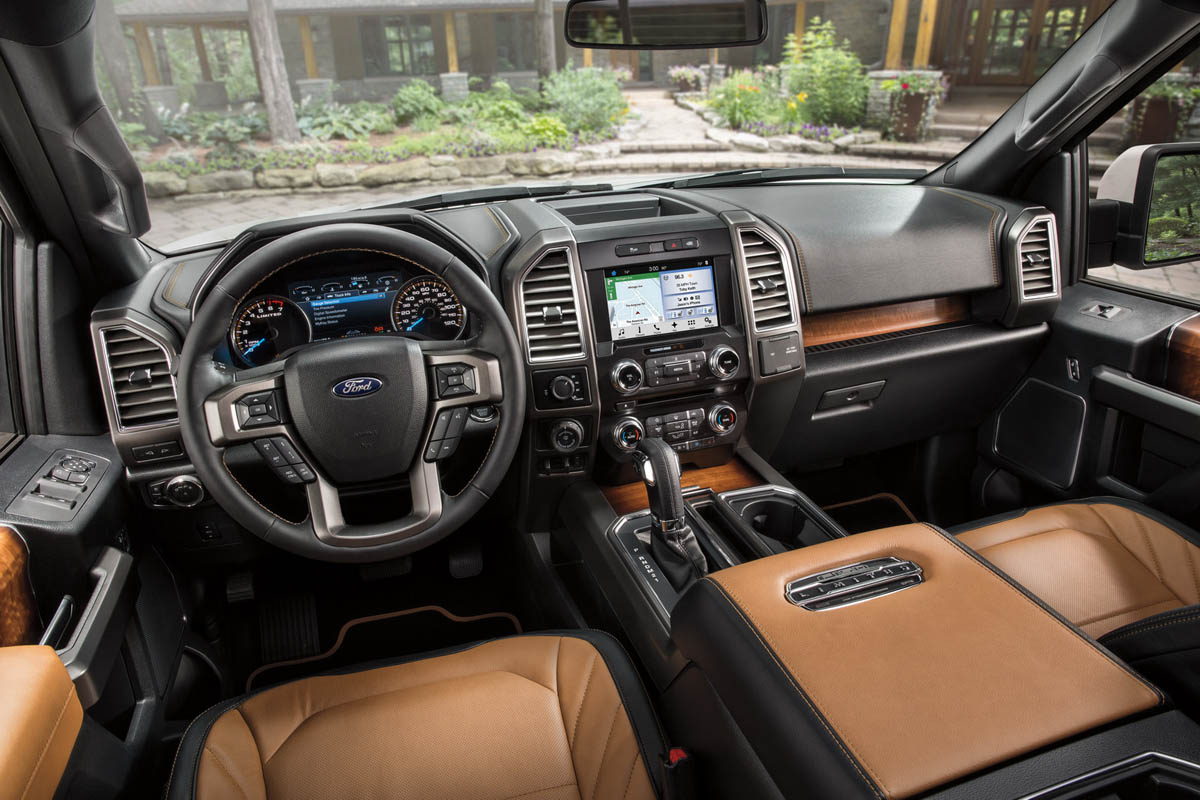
(427, 306)
(266, 327)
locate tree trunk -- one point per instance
(272, 72)
(114, 55)
(546, 37)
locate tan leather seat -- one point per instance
(1101, 564)
(538, 717)
(41, 720)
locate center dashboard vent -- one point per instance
(1037, 258)
(766, 274)
(550, 307)
(139, 375)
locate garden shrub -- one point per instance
(589, 100)
(829, 75)
(744, 98)
(415, 100)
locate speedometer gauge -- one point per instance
(427, 306)
(266, 327)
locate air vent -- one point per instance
(1037, 254)
(766, 274)
(143, 390)
(550, 309)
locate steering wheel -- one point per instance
(352, 411)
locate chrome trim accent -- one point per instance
(1147, 756)
(622, 423)
(1055, 260)
(181, 479)
(714, 358)
(100, 346)
(712, 418)
(573, 270)
(786, 265)
(875, 585)
(616, 371)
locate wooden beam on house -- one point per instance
(798, 27)
(926, 25)
(451, 41)
(895, 40)
(201, 54)
(587, 56)
(714, 55)
(145, 51)
(310, 50)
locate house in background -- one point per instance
(366, 49)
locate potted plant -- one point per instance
(910, 95)
(1160, 114)
(686, 78)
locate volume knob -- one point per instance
(627, 376)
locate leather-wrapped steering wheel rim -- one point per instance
(207, 393)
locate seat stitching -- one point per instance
(49, 740)
(1103, 617)
(579, 710)
(612, 726)
(637, 756)
(1137, 520)
(1187, 550)
(559, 697)
(379, 695)
(217, 760)
(1150, 627)
(536, 791)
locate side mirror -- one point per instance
(1152, 193)
(665, 24)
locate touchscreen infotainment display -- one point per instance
(660, 300)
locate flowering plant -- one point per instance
(686, 77)
(913, 83)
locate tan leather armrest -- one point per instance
(916, 688)
(40, 716)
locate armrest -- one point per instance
(926, 677)
(41, 719)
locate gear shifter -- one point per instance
(673, 543)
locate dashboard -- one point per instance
(709, 318)
(299, 306)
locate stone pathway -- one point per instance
(662, 120)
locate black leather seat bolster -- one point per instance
(1165, 649)
(793, 741)
(638, 706)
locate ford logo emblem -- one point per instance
(357, 387)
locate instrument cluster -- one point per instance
(295, 310)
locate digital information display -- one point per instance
(656, 301)
(342, 307)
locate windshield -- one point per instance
(237, 116)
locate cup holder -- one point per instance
(780, 519)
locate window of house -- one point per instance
(515, 48)
(399, 45)
(1167, 111)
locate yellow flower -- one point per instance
(802, 96)
(792, 105)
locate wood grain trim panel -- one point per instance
(841, 326)
(736, 474)
(1183, 359)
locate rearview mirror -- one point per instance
(665, 24)
(1157, 193)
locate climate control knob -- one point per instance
(627, 433)
(566, 436)
(627, 376)
(724, 362)
(722, 418)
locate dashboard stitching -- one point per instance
(803, 269)
(503, 231)
(247, 492)
(991, 229)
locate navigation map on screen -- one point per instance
(655, 301)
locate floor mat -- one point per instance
(390, 635)
(871, 513)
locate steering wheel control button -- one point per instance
(270, 453)
(454, 380)
(286, 450)
(627, 376)
(259, 410)
(447, 429)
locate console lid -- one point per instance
(889, 663)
